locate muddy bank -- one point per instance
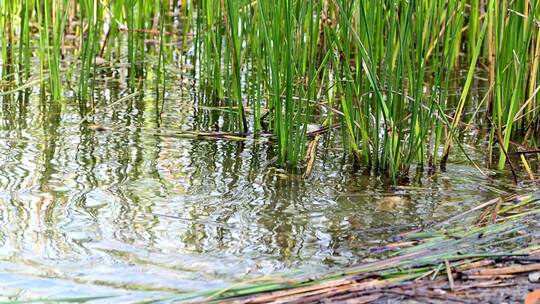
(503, 288)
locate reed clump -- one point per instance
(398, 80)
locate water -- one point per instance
(125, 205)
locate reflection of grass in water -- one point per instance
(378, 72)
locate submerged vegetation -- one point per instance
(381, 74)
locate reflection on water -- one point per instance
(123, 204)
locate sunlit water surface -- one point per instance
(124, 204)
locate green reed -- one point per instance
(515, 34)
(24, 43)
(5, 36)
(51, 19)
(384, 75)
(129, 7)
(234, 51)
(90, 12)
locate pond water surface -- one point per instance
(124, 204)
